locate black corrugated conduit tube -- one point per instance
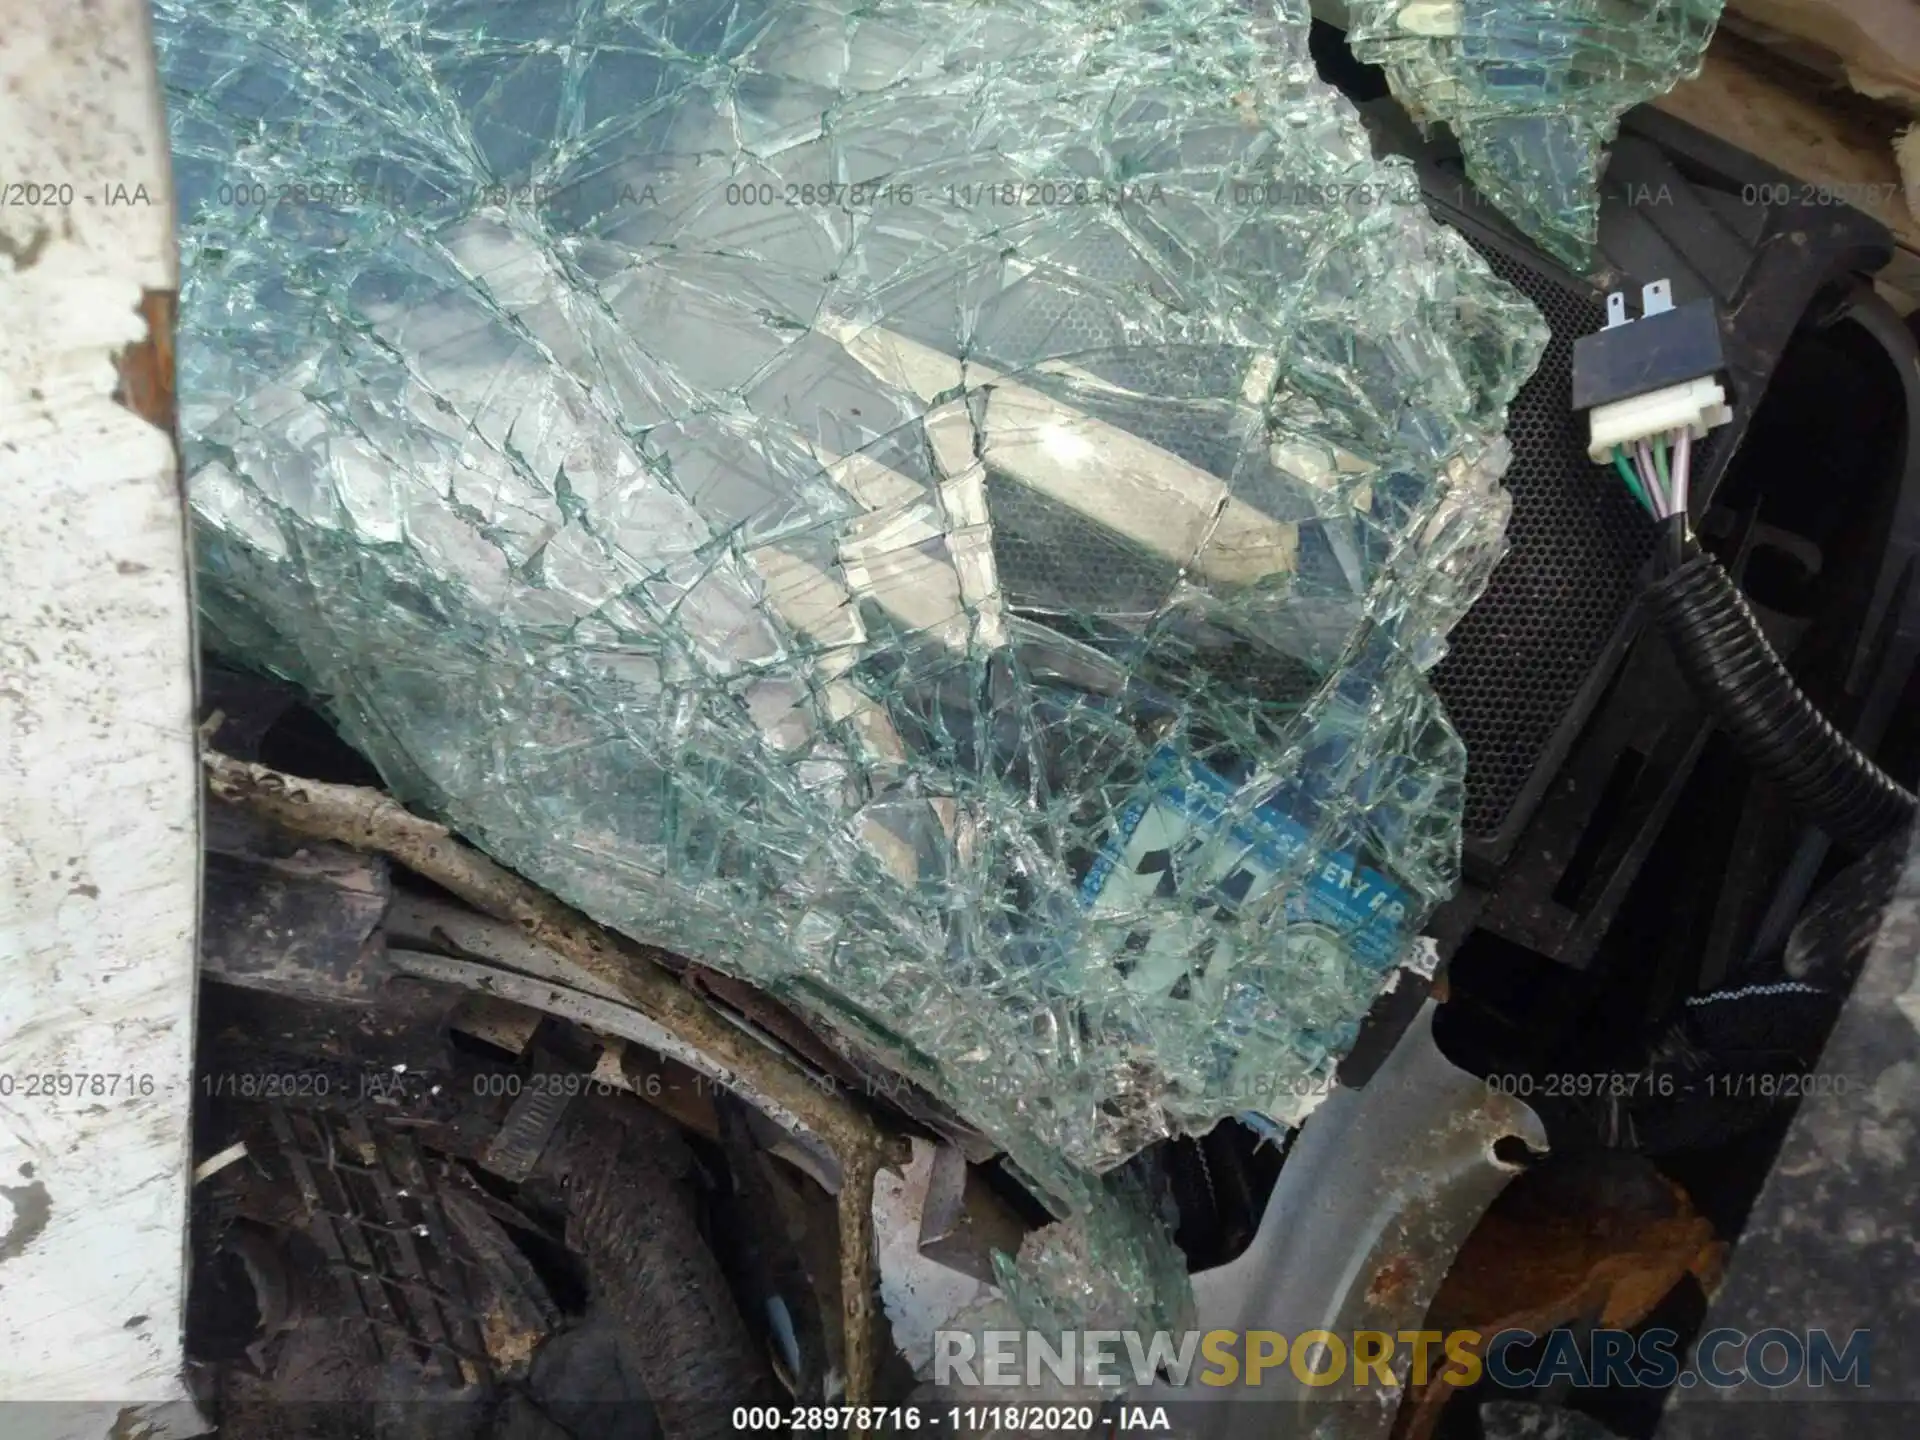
(1733, 668)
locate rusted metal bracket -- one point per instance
(371, 820)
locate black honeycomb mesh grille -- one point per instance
(1577, 541)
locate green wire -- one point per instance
(1660, 466)
(1633, 480)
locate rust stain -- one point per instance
(509, 1346)
(146, 367)
(1391, 1280)
(776, 1019)
(1543, 1257)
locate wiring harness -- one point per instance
(1736, 673)
(1651, 392)
(1660, 485)
(1732, 667)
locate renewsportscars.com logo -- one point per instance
(1324, 1361)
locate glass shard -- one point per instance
(1534, 90)
(941, 508)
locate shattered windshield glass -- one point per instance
(1534, 90)
(943, 509)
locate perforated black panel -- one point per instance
(1577, 543)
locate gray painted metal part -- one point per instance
(1377, 1196)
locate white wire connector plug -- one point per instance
(1696, 407)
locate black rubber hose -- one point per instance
(1733, 668)
(630, 1217)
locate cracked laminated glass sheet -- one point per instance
(1534, 90)
(940, 508)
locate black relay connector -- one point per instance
(1662, 348)
(1641, 378)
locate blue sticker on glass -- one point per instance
(1177, 817)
